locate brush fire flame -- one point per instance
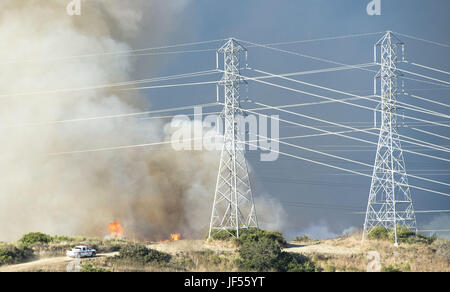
(175, 236)
(115, 229)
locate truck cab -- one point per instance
(81, 251)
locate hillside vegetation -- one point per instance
(415, 253)
(256, 250)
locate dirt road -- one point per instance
(56, 264)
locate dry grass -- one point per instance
(350, 254)
(175, 247)
(342, 254)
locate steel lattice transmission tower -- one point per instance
(233, 206)
(390, 203)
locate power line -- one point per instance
(356, 123)
(348, 208)
(346, 159)
(339, 134)
(424, 40)
(428, 100)
(329, 98)
(430, 133)
(438, 230)
(344, 126)
(322, 134)
(320, 39)
(333, 62)
(122, 147)
(348, 127)
(125, 52)
(127, 115)
(417, 74)
(130, 53)
(404, 105)
(337, 167)
(429, 145)
(308, 182)
(120, 84)
(429, 68)
(319, 206)
(416, 211)
(173, 77)
(325, 70)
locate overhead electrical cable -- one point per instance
(332, 90)
(340, 168)
(346, 159)
(344, 126)
(333, 62)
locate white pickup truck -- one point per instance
(81, 251)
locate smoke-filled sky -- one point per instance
(155, 191)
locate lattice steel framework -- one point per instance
(390, 202)
(233, 207)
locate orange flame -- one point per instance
(115, 229)
(175, 236)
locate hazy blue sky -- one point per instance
(329, 192)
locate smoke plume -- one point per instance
(152, 191)
(438, 226)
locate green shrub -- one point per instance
(255, 235)
(391, 269)
(419, 238)
(403, 234)
(248, 235)
(141, 254)
(109, 246)
(35, 237)
(378, 232)
(62, 238)
(304, 238)
(223, 235)
(264, 254)
(261, 255)
(330, 269)
(10, 254)
(293, 262)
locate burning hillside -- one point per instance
(59, 173)
(115, 229)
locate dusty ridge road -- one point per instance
(62, 263)
(48, 264)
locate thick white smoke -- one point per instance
(152, 191)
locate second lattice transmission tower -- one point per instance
(233, 207)
(390, 202)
